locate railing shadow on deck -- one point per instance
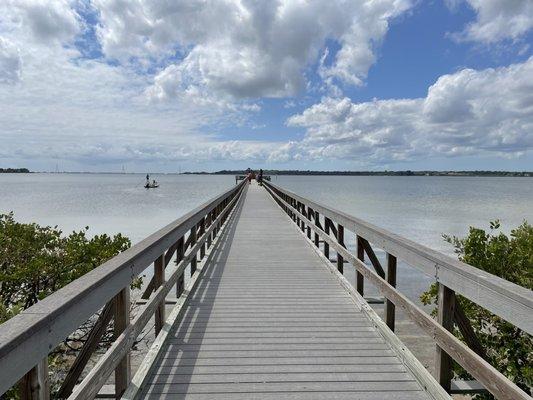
(198, 314)
(28, 338)
(325, 228)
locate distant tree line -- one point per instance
(373, 173)
(13, 170)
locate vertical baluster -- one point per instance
(317, 226)
(159, 279)
(209, 222)
(202, 231)
(360, 283)
(122, 320)
(327, 223)
(300, 222)
(215, 216)
(35, 385)
(180, 251)
(309, 216)
(445, 311)
(340, 239)
(193, 242)
(390, 311)
(291, 202)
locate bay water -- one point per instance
(420, 208)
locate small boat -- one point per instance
(151, 185)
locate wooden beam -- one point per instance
(503, 298)
(159, 275)
(317, 226)
(35, 385)
(390, 309)
(495, 382)
(180, 251)
(327, 223)
(145, 370)
(201, 231)
(467, 331)
(359, 279)
(98, 376)
(150, 287)
(445, 312)
(122, 322)
(91, 344)
(194, 260)
(372, 257)
(340, 239)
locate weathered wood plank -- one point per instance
(390, 309)
(35, 385)
(28, 337)
(279, 311)
(505, 299)
(159, 280)
(87, 350)
(121, 324)
(493, 380)
(445, 312)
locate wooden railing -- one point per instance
(326, 226)
(28, 338)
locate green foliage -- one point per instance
(35, 261)
(508, 349)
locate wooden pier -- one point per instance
(265, 313)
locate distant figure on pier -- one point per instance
(249, 174)
(260, 177)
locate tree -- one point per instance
(508, 349)
(35, 261)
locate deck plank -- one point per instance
(268, 321)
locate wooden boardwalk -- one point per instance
(270, 321)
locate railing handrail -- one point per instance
(511, 302)
(38, 329)
(448, 346)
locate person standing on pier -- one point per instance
(260, 177)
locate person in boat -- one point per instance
(147, 180)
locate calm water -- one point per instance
(107, 203)
(419, 208)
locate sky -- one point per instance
(190, 85)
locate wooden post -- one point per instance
(340, 239)
(159, 279)
(35, 385)
(327, 222)
(209, 222)
(390, 312)
(122, 320)
(317, 226)
(360, 283)
(202, 231)
(180, 251)
(443, 362)
(309, 216)
(193, 242)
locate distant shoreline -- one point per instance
(14, 171)
(303, 173)
(374, 173)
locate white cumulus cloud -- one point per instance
(468, 112)
(245, 48)
(497, 20)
